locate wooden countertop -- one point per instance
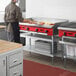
(2, 26)
(6, 46)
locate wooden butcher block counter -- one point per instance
(2, 26)
(6, 46)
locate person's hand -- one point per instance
(41, 23)
(26, 20)
(29, 21)
(33, 22)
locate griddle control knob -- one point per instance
(75, 35)
(46, 31)
(23, 27)
(64, 33)
(36, 30)
(27, 28)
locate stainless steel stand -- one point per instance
(32, 37)
(66, 43)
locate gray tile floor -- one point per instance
(3, 34)
(58, 62)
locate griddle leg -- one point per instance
(52, 60)
(65, 62)
(52, 52)
(30, 53)
(62, 55)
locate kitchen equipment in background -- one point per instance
(43, 32)
(67, 33)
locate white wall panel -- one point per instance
(3, 4)
(65, 9)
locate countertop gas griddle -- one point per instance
(67, 29)
(67, 33)
(40, 38)
(49, 27)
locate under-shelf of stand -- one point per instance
(38, 51)
(41, 37)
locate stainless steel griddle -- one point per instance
(68, 26)
(41, 38)
(67, 33)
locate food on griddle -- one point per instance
(31, 21)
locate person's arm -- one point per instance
(5, 21)
(19, 14)
(5, 15)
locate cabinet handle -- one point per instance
(4, 62)
(15, 74)
(14, 61)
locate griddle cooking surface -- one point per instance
(47, 21)
(36, 25)
(69, 25)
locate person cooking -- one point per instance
(12, 17)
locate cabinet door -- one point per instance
(16, 71)
(2, 66)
